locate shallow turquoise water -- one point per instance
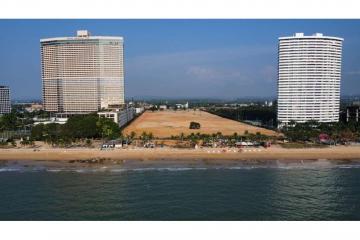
(261, 193)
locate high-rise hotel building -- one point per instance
(5, 104)
(309, 78)
(82, 74)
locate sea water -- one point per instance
(259, 192)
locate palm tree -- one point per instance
(144, 135)
(182, 135)
(193, 141)
(235, 136)
(150, 136)
(132, 135)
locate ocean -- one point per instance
(252, 192)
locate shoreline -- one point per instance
(171, 154)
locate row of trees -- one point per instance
(209, 138)
(310, 131)
(13, 122)
(266, 115)
(196, 138)
(19, 120)
(77, 128)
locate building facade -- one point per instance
(83, 73)
(309, 75)
(5, 103)
(120, 116)
(353, 113)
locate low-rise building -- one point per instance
(268, 104)
(182, 106)
(34, 107)
(58, 120)
(119, 116)
(162, 107)
(139, 110)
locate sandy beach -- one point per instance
(273, 153)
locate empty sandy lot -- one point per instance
(163, 124)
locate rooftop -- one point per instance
(82, 35)
(315, 36)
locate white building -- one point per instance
(182, 106)
(162, 107)
(82, 74)
(121, 117)
(34, 107)
(139, 110)
(309, 78)
(58, 120)
(5, 104)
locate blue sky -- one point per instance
(179, 58)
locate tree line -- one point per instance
(310, 131)
(77, 128)
(19, 120)
(266, 115)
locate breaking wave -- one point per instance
(323, 164)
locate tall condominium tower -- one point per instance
(83, 73)
(5, 105)
(309, 78)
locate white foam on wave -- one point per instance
(166, 169)
(10, 169)
(55, 170)
(350, 166)
(278, 165)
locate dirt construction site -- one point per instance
(164, 124)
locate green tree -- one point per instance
(235, 136)
(182, 135)
(144, 136)
(8, 122)
(13, 143)
(37, 132)
(108, 128)
(82, 126)
(132, 135)
(150, 136)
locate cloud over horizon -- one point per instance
(224, 73)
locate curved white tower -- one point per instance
(309, 78)
(83, 73)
